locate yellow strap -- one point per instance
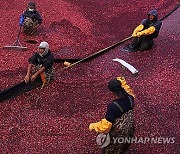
(126, 87)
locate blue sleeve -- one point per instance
(21, 20)
(144, 22)
(111, 114)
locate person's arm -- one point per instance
(27, 77)
(34, 76)
(137, 29)
(21, 20)
(102, 126)
(32, 61)
(148, 31)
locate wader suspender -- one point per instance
(119, 106)
(130, 100)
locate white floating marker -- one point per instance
(127, 65)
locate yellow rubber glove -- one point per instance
(137, 29)
(139, 34)
(102, 126)
(148, 31)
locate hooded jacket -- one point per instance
(155, 23)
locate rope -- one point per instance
(116, 44)
(175, 8)
(105, 49)
(108, 48)
(100, 52)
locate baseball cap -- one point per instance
(44, 45)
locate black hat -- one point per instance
(114, 85)
(31, 4)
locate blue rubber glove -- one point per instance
(21, 20)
